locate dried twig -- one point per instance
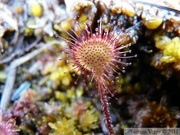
(18, 51)
(12, 72)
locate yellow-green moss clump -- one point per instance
(36, 9)
(78, 119)
(64, 127)
(152, 22)
(170, 48)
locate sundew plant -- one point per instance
(97, 54)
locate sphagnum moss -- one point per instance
(7, 127)
(97, 55)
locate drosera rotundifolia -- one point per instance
(98, 55)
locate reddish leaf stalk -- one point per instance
(105, 107)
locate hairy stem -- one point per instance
(105, 108)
